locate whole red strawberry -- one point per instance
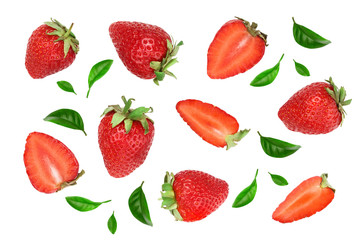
(192, 195)
(146, 50)
(51, 48)
(50, 165)
(236, 48)
(315, 109)
(125, 137)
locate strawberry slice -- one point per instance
(236, 48)
(211, 123)
(310, 197)
(50, 165)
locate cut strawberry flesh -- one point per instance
(211, 123)
(234, 50)
(304, 201)
(48, 162)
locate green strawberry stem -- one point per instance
(65, 35)
(168, 196)
(339, 96)
(161, 68)
(128, 115)
(231, 140)
(325, 183)
(73, 182)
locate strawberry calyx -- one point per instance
(128, 115)
(65, 35)
(161, 68)
(72, 182)
(325, 183)
(339, 96)
(231, 140)
(251, 27)
(168, 196)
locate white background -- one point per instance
(26, 213)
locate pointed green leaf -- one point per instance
(301, 69)
(347, 102)
(267, 76)
(107, 110)
(66, 86)
(170, 63)
(138, 113)
(128, 124)
(112, 223)
(169, 45)
(55, 26)
(139, 207)
(167, 72)
(342, 95)
(117, 119)
(247, 195)
(66, 47)
(83, 204)
(277, 148)
(308, 38)
(66, 118)
(156, 65)
(97, 72)
(278, 180)
(145, 125)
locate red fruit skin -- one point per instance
(304, 201)
(234, 50)
(123, 153)
(44, 56)
(211, 123)
(138, 44)
(48, 162)
(311, 110)
(198, 194)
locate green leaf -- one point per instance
(170, 63)
(308, 38)
(66, 118)
(112, 224)
(138, 206)
(97, 72)
(247, 195)
(156, 65)
(267, 76)
(66, 86)
(117, 118)
(277, 148)
(278, 180)
(301, 69)
(138, 113)
(83, 204)
(128, 124)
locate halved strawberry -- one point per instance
(310, 197)
(50, 165)
(211, 123)
(236, 48)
